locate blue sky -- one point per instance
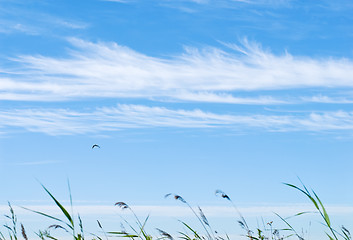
(182, 96)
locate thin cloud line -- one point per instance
(109, 119)
(34, 163)
(182, 211)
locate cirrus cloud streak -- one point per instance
(108, 70)
(107, 119)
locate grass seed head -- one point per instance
(223, 195)
(176, 197)
(99, 224)
(165, 234)
(122, 205)
(57, 226)
(203, 217)
(23, 231)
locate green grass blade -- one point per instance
(331, 238)
(124, 234)
(306, 193)
(52, 238)
(48, 216)
(70, 195)
(133, 229)
(326, 217)
(65, 212)
(143, 227)
(290, 227)
(184, 236)
(301, 213)
(192, 230)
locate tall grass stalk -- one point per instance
(201, 219)
(140, 232)
(242, 222)
(12, 229)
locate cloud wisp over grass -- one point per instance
(108, 70)
(181, 211)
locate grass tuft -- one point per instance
(73, 225)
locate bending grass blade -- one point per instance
(319, 207)
(64, 211)
(290, 227)
(197, 236)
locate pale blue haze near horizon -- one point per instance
(182, 96)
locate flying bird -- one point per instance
(96, 145)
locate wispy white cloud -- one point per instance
(223, 2)
(43, 26)
(119, 1)
(327, 99)
(34, 163)
(68, 23)
(9, 27)
(179, 4)
(200, 1)
(21, 17)
(228, 98)
(64, 121)
(110, 70)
